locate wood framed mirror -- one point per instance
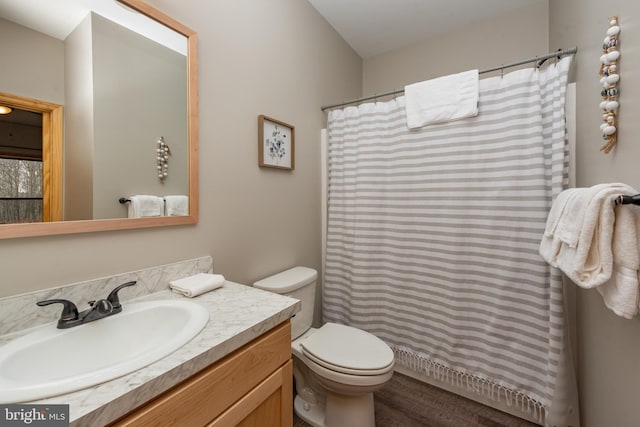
(60, 173)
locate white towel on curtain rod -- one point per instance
(442, 99)
(433, 236)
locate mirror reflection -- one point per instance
(119, 82)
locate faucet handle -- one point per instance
(69, 312)
(113, 296)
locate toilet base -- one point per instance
(338, 411)
(352, 411)
(312, 414)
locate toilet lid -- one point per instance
(346, 349)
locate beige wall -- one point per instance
(608, 346)
(506, 38)
(278, 58)
(36, 65)
(78, 142)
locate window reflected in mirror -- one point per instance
(21, 191)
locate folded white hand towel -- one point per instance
(145, 206)
(176, 205)
(576, 212)
(550, 244)
(566, 219)
(621, 293)
(579, 242)
(198, 284)
(443, 99)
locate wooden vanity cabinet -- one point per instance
(251, 387)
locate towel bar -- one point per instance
(124, 200)
(627, 200)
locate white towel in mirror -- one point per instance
(145, 206)
(176, 205)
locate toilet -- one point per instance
(336, 368)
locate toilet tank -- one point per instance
(298, 283)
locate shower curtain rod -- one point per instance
(539, 60)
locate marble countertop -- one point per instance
(238, 314)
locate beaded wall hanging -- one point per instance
(609, 71)
(163, 152)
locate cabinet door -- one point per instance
(267, 405)
(210, 393)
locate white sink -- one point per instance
(49, 361)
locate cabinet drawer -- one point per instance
(201, 398)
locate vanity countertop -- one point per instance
(238, 314)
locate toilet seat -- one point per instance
(348, 350)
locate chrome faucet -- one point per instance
(99, 309)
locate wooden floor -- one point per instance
(405, 402)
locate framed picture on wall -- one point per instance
(276, 144)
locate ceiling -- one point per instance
(372, 27)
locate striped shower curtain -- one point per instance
(433, 236)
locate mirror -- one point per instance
(102, 128)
